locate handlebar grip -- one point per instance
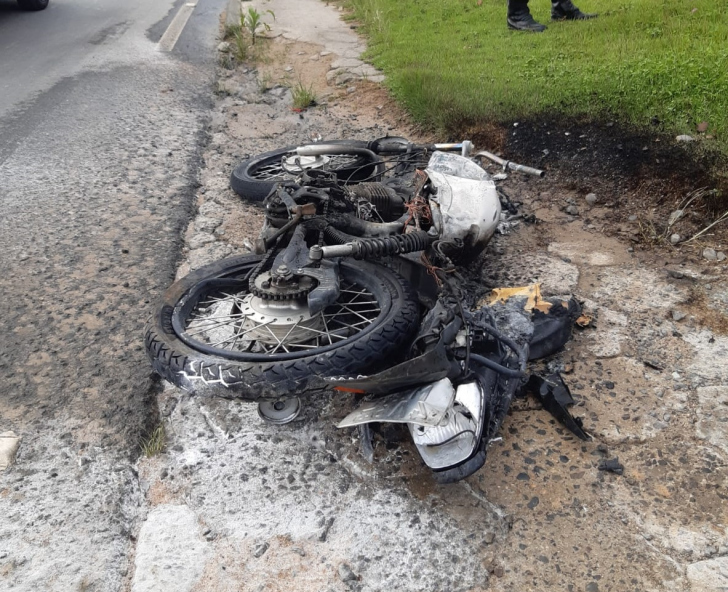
(526, 169)
(465, 147)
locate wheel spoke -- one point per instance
(326, 327)
(206, 328)
(212, 300)
(245, 348)
(280, 343)
(236, 336)
(355, 298)
(303, 346)
(273, 335)
(270, 172)
(361, 316)
(218, 321)
(346, 308)
(362, 302)
(225, 297)
(351, 326)
(215, 318)
(276, 170)
(317, 332)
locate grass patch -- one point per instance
(303, 96)
(242, 35)
(455, 63)
(155, 443)
(252, 20)
(230, 31)
(265, 82)
(240, 48)
(234, 34)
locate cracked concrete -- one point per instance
(170, 552)
(708, 575)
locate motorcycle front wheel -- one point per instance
(212, 335)
(256, 177)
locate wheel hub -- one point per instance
(295, 164)
(275, 321)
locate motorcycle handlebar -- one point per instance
(507, 164)
(379, 147)
(323, 149)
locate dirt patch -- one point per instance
(289, 64)
(632, 173)
(706, 312)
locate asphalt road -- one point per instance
(100, 137)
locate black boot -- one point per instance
(564, 10)
(520, 19)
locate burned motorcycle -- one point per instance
(355, 287)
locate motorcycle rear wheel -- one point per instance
(256, 177)
(203, 338)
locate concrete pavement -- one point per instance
(99, 148)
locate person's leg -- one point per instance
(520, 19)
(564, 10)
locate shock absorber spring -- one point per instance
(366, 248)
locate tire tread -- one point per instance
(198, 372)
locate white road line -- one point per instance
(168, 40)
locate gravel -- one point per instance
(710, 254)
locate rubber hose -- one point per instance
(365, 228)
(337, 237)
(521, 352)
(496, 367)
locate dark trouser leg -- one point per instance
(517, 7)
(520, 19)
(565, 10)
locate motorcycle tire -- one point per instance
(33, 4)
(256, 177)
(184, 355)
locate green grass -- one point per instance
(453, 63)
(243, 34)
(155, 443)
(303, 96)
(252, 20)
(234, 34)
